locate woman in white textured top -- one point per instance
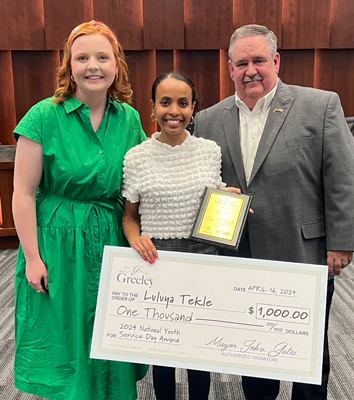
(163, 181)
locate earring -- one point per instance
(153, 117)
(72, 78)
(191, 122)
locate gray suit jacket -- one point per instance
(302, 180)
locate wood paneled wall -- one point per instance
(315, 38)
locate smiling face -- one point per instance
(173, 108)
(93, 66)
(253, 68)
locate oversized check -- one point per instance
(223, 314)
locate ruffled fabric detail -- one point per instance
(169, 183)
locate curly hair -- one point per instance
(120, 90)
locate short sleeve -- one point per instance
(134, 121)
(130, 187)
(142, 135)
(31, 124)
(216, 151)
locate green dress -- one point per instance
(79, 210)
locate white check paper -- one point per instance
(223, 314)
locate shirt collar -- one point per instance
(262, 104)
(72, 103)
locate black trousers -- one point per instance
(165, 384)
(268, 389)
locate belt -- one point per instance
(93, 207)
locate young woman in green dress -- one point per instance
(67, 205)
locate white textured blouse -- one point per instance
(169, 182)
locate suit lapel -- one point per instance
(278, 112)
(231, 127)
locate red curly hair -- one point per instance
(120, 90)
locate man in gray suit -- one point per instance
(291, 149)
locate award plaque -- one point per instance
(221, 218)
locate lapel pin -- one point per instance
(277, 109)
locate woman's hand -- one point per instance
(231, 189)
(27, 175)
(237, 191)
(36, 274)
(144, 246)
(131, 228)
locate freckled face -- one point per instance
(93, 65)
(253, 68)
(173, 107)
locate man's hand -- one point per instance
(337, 260)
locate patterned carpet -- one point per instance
(224, 387)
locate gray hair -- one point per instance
(252, 29)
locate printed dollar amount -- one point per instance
(281, 313)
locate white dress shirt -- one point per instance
(251, 128)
